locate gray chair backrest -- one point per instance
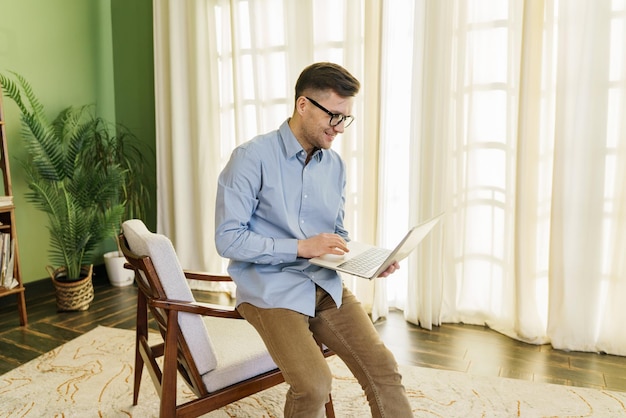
(159, 248)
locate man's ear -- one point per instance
(301, 103)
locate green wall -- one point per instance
(75, 52)
(133, 63)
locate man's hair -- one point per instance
(324, 76)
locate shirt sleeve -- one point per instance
(237, 191)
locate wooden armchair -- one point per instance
(220, 356)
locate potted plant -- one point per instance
(82, 201)
(118, 146)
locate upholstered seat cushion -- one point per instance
(240, 351)
(161, 251)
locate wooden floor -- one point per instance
(465, 348)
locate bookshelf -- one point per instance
(10, 276)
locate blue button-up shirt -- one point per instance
(267, 200)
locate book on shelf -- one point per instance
(11, 281)
(7, 261)
(6, 201)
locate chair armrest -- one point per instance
(198, 275)
(205, 309)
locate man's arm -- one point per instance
(238, 187)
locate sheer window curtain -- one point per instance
(515, 132)
(225, 72)
(505, 115)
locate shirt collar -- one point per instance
(291, 144)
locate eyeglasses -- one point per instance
(335, 118)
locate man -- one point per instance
(280, 201)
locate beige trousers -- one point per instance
(292, 341)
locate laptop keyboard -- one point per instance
(366, 261)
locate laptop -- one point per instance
(369, 261)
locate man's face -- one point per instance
(317, 132)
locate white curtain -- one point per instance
(225, 72)
(517, 134)
(505, 115)
(188, 116)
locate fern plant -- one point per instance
(81, 197)
(118, 146)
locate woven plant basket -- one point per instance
(75, 295)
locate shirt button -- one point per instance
(302, 221)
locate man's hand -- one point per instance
(322, 244)
(395, 266)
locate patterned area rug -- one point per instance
(91, 376)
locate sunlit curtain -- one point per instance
(225, 72)
(506, 116)
(515, 119)
(188, 122)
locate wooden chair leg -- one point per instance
(138, 373)
(170, 367)
(140, 332)
(330, 410)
